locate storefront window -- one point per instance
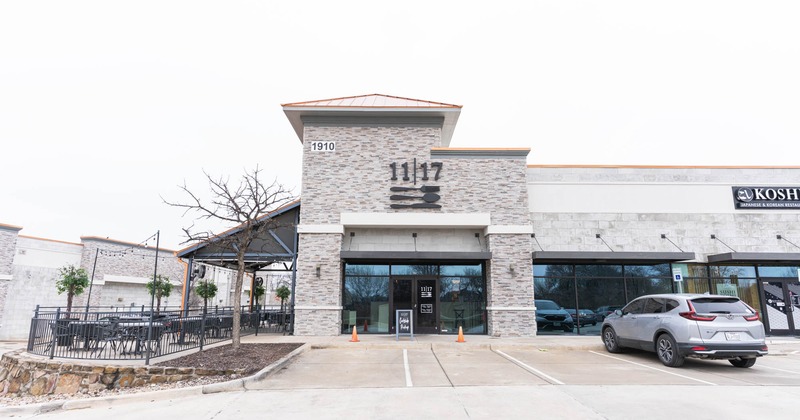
(695, 278)
(554, 297)
(589, 293)
(366, 270)
(598, 270)
(552, 270)
(461, 300)
(788, 271)
(366, 304)
(462, 270)
(415, 270)
(732, 270)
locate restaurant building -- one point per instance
(393, 217)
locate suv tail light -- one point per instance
(692, 315)
(753, 317)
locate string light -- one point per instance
(131, 250)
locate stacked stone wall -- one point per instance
(356, 177)
(22, 375)
(8, 244)
(641, 232)
(510, 287)
(318, 300)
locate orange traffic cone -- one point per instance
(366, 328)
(460, 335)
(355, 335)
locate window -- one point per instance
(635, 307)
(654, 306)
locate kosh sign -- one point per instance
(766, 198)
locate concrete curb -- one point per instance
(227, 386)
(278, 365)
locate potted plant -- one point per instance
(161, 287)
(206, 290)
(282, 293)
(72, 280)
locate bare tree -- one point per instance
(246, 209)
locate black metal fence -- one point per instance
(134, 334)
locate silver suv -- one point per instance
(676, 326)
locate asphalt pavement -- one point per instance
(485, 377)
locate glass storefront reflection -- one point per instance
(366, 304)
(589, 293)
(461, 303)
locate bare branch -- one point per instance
(246, 209)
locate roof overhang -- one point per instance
(446, 117)
(275, 245)
(610, 257)
(752, 257)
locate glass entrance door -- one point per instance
(782, 305)
(419, 295)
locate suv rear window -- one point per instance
(719, 306)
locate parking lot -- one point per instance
(567, 377)
(517, 366)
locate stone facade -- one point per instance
(318, 298)
(23, 375)
(356, 179)
(687, 205)
(510, 291)
(8, 246)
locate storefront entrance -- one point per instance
(418, 294)
(443, 297)
(781, 299)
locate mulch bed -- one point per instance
(250, 357)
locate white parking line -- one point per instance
(761, 365)
(408, 369)
(536, 372)
(650, 367)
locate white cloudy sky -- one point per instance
(107, 106)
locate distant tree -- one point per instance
(161, 287)
(72, 280)
(206, 290)
(245, 209)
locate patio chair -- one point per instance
(61, 334)
(106, 333)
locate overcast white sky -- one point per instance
(106, 106)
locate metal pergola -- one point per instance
(278, 244)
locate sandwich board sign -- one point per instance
(403, 323)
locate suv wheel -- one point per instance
(743, 363)
(667, 351)
(610, 340)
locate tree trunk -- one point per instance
(236, 337)
(70, 294)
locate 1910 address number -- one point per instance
(323, 146)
